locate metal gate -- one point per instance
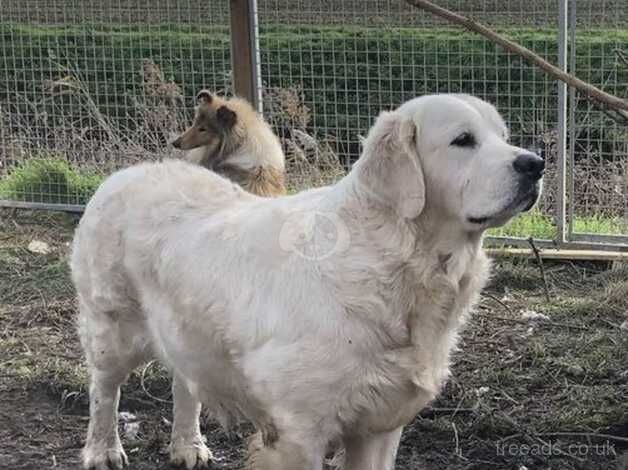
(594, 143)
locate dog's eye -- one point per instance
(202, 129)
(466, 139)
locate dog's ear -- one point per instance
(226, 117)
(204, 97)
(390, 168)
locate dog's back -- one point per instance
(132, 208)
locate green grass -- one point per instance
(600, 224)
(49, 180)
(541, 227)
(531, 224)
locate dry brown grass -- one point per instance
(310, 160)
(93, 141)
(514, 381)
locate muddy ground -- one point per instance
(526, 393)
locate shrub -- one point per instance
(49, 180)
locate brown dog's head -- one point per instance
(214, 126)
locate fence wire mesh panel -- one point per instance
(87, 87)
(328, 68)
(598, 139)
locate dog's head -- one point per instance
(215, 125)
(451, 153)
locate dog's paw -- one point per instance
(192, 455)
(99, 458)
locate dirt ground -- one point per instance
(527, 392)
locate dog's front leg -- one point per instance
(373, 451)
(186, 445)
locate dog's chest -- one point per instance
(442, 298)
(414, 373)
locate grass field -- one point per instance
(511, 12)
(560, 381)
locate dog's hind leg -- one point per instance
(187, 444)
(103, 449)
(113, 349)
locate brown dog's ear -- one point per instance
(226, 118)
(204, 96)
(390, 170)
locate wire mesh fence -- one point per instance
(348, 60)
(87, 87)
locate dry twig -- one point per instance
(622, 56)
(539, 260)
(496, 299)
(150, 395)
(456, 440)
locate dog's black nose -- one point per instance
(176, 143)
(530, 165)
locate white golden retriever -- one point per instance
(324, 317)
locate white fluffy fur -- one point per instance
(175, 262)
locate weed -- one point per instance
(49, 180)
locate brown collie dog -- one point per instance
(229, 137)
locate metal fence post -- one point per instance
(561, 200)
(572, 119)
(245, 51)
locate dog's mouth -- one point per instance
(523, 202)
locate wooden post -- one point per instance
(244, 51)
